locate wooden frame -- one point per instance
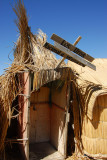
(71, 47)
(64, 52)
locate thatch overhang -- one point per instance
(45, 76)
(91, 83)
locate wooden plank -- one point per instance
(64, 52)
(76, 57)
(54, 49)
(71, 47)
(58, 128)
(75, 43)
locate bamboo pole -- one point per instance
(75, 43)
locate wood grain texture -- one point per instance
(47, 123)
(57, 128)
(59, 97)
(40, 116)
(71, 47)
(69, 53)
(75, 43)
(40, 124)
(64, 52)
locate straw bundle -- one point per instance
(8, 92)
(29, 47)
(23, 52)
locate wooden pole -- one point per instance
(28, 116)
(77, 40)
(67, 118)
(75, 43)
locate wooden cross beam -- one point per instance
(64, 52)
(65, 49)
(72, 47)
(75, 43)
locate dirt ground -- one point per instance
(44, 153)
(16, 156)
(13, 156)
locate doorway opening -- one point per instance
(47, 123)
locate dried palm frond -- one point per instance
(23, 50)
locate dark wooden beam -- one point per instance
(71, 47)
(75, 43)
(64, 52)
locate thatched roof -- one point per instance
(29, 47)
(45, 76)
(38, 57)
(91, 83)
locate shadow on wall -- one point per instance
(99, 111)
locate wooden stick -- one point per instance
(75, 43)
(13, 140)
(77, 40)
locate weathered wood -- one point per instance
(40, 123)
(76, 57)
(71, 47)
(67, 114)
(75, 43)
(28, 115)
(58, 128)
(56, 50)
(64, 52)
(38, 103)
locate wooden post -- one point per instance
(28, 115)
(75, 43)
(67, 119)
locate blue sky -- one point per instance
(66, 18)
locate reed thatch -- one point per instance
(91, 83)
(91, 104)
